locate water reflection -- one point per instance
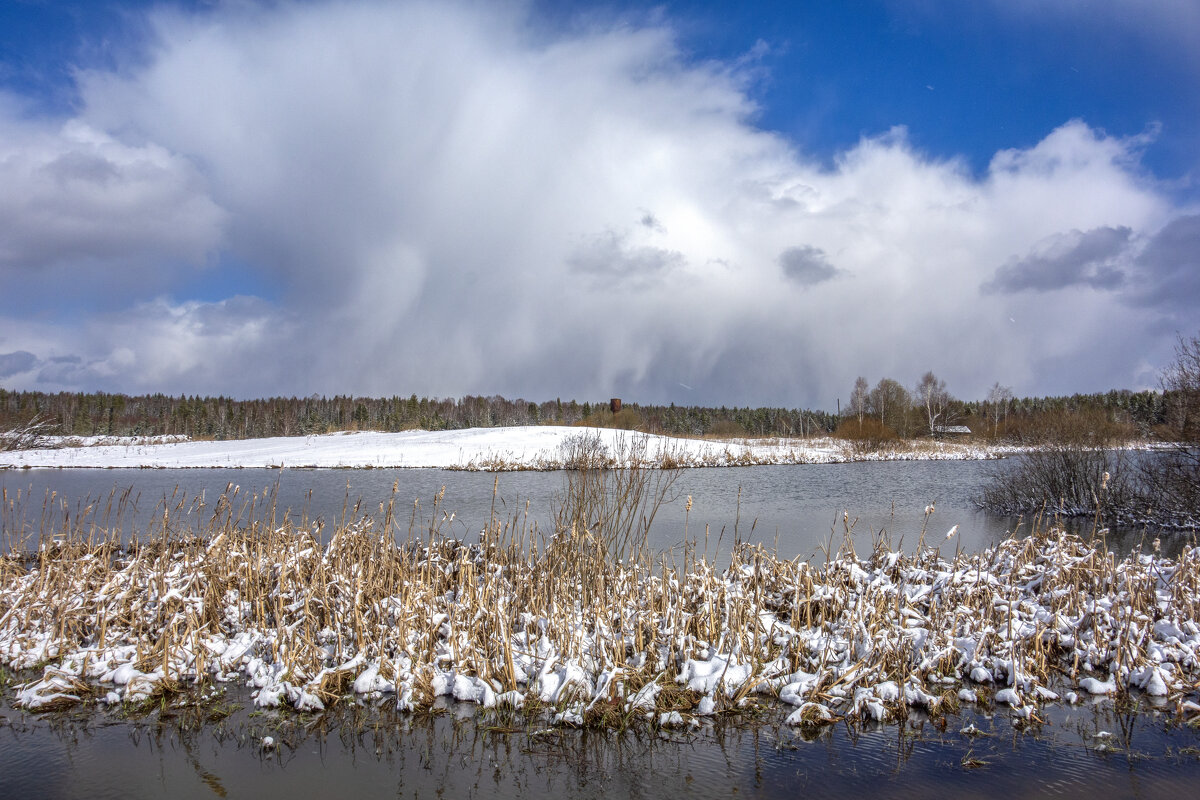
(460, 751)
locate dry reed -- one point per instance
(583, 622)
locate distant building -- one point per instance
(951, 430)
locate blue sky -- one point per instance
(967, 79)
(746, 203)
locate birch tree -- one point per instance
(933, 399)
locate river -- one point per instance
(800, 509)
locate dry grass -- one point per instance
(584, 620)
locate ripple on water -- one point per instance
(363, 751)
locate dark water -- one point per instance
(462, 752)
(800, 509)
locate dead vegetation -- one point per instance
(28, 435)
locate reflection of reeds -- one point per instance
(582, 621)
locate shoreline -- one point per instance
(539, 448)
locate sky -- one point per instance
(701, 203)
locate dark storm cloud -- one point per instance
(1170, 268)
(75, 166)
(807, 265)
(650, 221)
(1066, 259)
(14, 363)
(63, 370)
(610, 255)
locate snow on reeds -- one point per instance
(568, 626)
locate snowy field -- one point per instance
(531, 447)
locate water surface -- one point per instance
(801, 509)
(361, 751)
(464, 752)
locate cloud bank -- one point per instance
(446, 198)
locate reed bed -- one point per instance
(583, 624)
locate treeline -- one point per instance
(1144, 413)
(1074, 473)
(891, 411)
(99, 414)
(676, 420)
(888, 411)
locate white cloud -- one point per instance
(450, 201)
(149, 347)
(73, 193)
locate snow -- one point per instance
(528, 447)
(473, 690)
(1008, 696)
(809, 711)
(713, 673)
(1095, 686)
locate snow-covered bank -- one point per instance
(531, 447)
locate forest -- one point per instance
(889, 411)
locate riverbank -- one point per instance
(489, 449)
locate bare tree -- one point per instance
(933, 399)
(891, 403)
(1181, 389)
(858, 399)
(1173, 482)
(997, 404)
(1077, 472)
